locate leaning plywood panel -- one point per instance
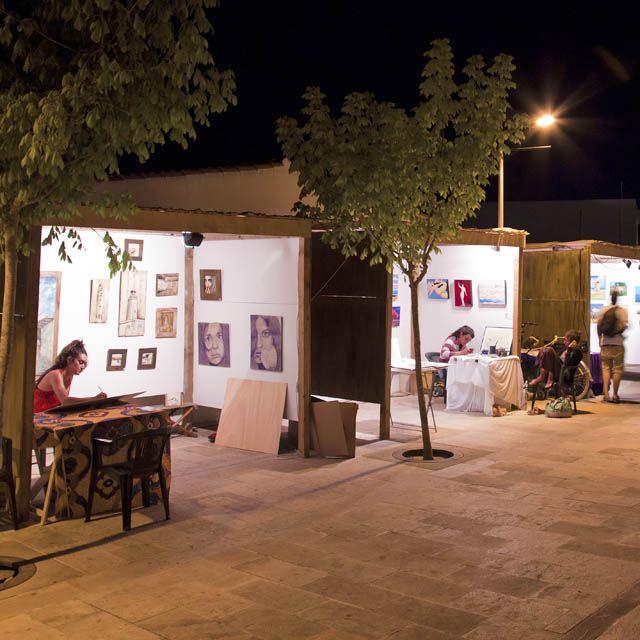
(251, 416)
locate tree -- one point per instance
(391, 184)
(83, 82)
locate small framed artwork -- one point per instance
(618, 287)
(210, 284)
(598, 287)
(166, 322)
(492, 293)
(266, 343)
(116, 359)
(147, 358)
(99, 301)
(596, 308)
(395, 316)
(48, 317)
(462, 293)
(438, 288)
(173, 399)
(134, 249)
(167, 284)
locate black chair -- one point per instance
(6, 478)
(143, 451)
(434, 356)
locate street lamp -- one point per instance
(543, 121)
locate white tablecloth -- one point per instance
(476, 383)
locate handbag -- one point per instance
(559, 408)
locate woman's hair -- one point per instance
(572, 335)
(72, 350)
(462, 330)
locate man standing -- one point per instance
(612, 321)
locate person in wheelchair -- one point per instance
(550, 363)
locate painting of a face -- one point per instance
(214, 344)
(266, 343)
(210, 284)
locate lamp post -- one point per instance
(544, 121)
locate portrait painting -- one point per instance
(213, 344)
(395, 316)
(167, 284)
(598, 287)
(134, 249)
(133, 301)
(167, 322)
(147, 358)
(437, 288)
(492, 293)
(266, 343)
(210, 284)
(48, 314)
(462, 293)
(99, 301)
(116, 359)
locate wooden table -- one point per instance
(71, 434)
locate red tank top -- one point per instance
(43, 400)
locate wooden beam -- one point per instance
(304, 346)
(517, 304)
(385, 405)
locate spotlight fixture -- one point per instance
(192, 238)
(628, 263)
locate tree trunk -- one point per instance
(10, 251)
(427, 451)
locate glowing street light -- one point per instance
(543, 121)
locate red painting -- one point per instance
(462, 289)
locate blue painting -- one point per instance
(394, 287)
(595, 310)
(598, 287)
(47, 335)
(437, 288)
(638, 294)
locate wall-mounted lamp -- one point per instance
(192, 238)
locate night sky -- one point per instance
(583, 66)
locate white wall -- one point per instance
(615, 271)
(438, 318)
(161, 254)
(259, 277)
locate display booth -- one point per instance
(565, 285)
(473, 281)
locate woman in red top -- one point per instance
(52, 387)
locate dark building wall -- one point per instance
(565, 220)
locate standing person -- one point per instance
(52, 387)
(456, 343)
(612, 321)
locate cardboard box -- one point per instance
(333, 428)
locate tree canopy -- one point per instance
(390, 184)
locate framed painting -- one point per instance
(167, 322)
(213, 344)
(133, 301)
(134, 249)
(395, 316)
(266, 343)
(99, 301)
(116, 359)
(595, 311)
(437, 288)
(167, 284)
(147, 358)
(598, 287)
(492, 293)
(173, 399)
(210, 284)
(462, 293)
(620, 288)
(48, 318)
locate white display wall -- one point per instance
(606, 271)
(438, 318)
(160, 254)
(259, 277)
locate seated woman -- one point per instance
(550, 363)
(456, 343)
(52, 387)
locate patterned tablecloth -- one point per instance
(71, 433)
(476, 383)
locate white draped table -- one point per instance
(476, 383)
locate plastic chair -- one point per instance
(6, 477)
(143, 459)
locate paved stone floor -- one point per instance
(534, 533)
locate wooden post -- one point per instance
(304, 346)
(385, 405)
(188, 325)
(517, 304)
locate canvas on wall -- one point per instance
(598, 287)
(395, 316)
(167, 322)
(462, 293)
(266, 343)
(167, 284)
(492, 293)
(133, 301)
(210, 284)
(48, 314)
(637, 295)
(437, 288)
(147, 358)
(595, 310)
(116, 359)
(99, 301)
(213, 344)
(620, 288)
(134, 249)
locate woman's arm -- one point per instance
(53, 381)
